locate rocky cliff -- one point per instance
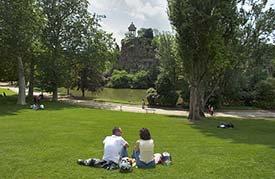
(137, 54)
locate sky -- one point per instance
(143, 13)
(120, 14)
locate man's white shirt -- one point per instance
(112, 148)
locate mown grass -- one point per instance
(46, 144)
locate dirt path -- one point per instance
(135, 108)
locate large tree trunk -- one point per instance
(30, 92)
(195, 107)
(21, 83)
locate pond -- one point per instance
(132, 96)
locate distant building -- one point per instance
(132, 30)
(136, 53)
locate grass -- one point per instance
(7, 91)
(46, 144)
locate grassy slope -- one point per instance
(46, 144)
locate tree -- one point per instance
(99, 49)
(167, 55)
(36, 53)
(18, 22)
(254, 52)
(61, 16)
(167, 78)
(146, 33)
(204, 32)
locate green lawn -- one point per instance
(46, 144)
(7, 91)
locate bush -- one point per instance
(152, 96)
(265, 104)
(265, 94)
(170, 99)
(120, 79)
(165, 94)
(141, 80)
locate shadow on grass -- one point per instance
(246, 131)
(8, 105)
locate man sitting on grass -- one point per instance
(115, 148)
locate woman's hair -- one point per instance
(144, 134)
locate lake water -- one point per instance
(110, 94)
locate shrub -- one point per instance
(141, 80)
(170, 99)
(152, 96)
(164, 94)
(265, 94)
(120, 79)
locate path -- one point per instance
(174, 112)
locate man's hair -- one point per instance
(115, 130)
(144, 134)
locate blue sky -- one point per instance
(144, 13)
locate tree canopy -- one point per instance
(213, 37)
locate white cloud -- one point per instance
(120, 13)
(145, 9)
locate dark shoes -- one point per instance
(80, 162)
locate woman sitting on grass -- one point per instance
(144, 150)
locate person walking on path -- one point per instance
(142, 104)
(212, 111)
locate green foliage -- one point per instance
(146, 33)
(166, 48)
(255, 54)
(19, 23)
(92, 60)
(265, 94)
(141, 80)
(122, 79)
(152, 97)
(165, 93)
(184, 91)
(63, 21)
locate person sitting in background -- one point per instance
(144, 150)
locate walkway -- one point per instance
(174, 112)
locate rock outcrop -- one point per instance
(137, 54)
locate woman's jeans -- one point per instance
(140, 163)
